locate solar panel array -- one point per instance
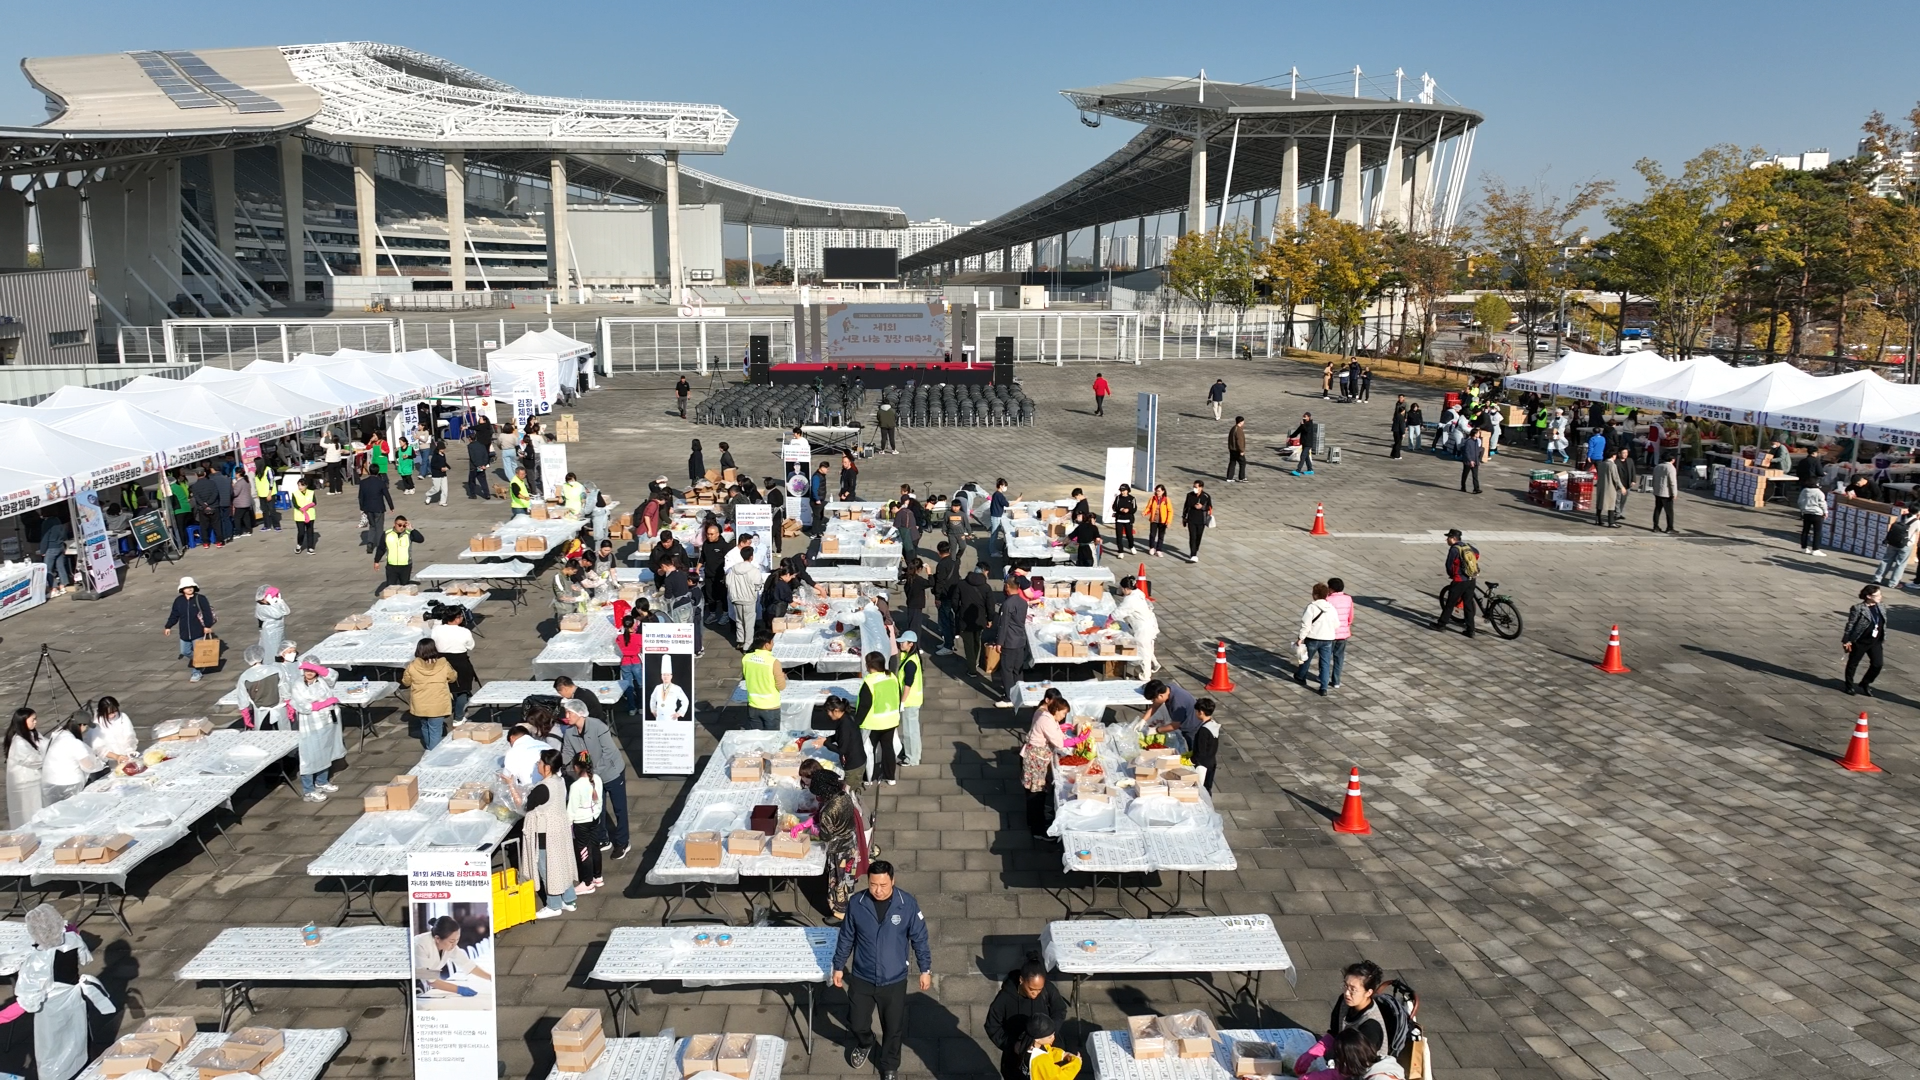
(192, 83)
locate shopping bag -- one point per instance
(992, 661)
(206, 652)
(1420, 1063)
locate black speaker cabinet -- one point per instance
(759, 359)
(1003, 361)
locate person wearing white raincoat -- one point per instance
(314, 708)
(261, 688)
(1135, 612)
(51, 987)
(271, 611)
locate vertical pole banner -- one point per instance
(796, 455)
(1146, 442)
(755, 520)
(666, 721)
(450, 949)
(96, 552)
(553, 468)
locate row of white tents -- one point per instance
(89, 438)
(1853, 405)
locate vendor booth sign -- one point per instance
(23, 585)
(666, 725)
(96, 547)
(450, 943)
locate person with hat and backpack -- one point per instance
(1463, 566)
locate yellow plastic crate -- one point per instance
(513, 900)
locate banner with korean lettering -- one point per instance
(755, 521)
(96, 548)
(886, 331)
(666, 724)
(451, 954)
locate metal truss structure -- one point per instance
(36, 150)
(389, 95)
(1251, 125)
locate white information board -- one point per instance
(553, 468)
(450, 943)
(755, 520)
(666, 719)
(1119, 471)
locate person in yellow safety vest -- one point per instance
(305, 503)
(908, 672)
(398, 551)
(879, 713)
(764, 679)
(573, 496)
(265, 493)
(518, 494)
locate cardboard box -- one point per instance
(354, 622)
(1087, 791)
(729, 476)
(736, 1055)
(573, 623)
(70, 849)
(403, 792)
(788, 847)
(266, 1040)
(747, 769)
(1185, 794)
(576, 1029)
(579, 1061)
(1252, 1058)
(1179, 776)
(538, 511)
(132, 1053)
(703, 849)
(786, 765)
(1189, 1034)
(469, 796)
(228, 1057)
(701, 1053)
(108, 848)
(530, 543)
(1150, 790)
(374, 799)
(1145, 772)
(829, 545)
(199, 727)
(478, 543)
(713, 476)
(764, 819)
(488, 732)
(15, 847)
(179, 1030)
(746, 842)
(1143, 1034)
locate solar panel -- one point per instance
(201, 72)
(183, 93)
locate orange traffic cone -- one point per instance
(1353, 814)
(1610, 663)
(1859, 749)
(1146, 587)
(1221, 682)
(1319, 520)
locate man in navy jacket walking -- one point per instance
(881, 923)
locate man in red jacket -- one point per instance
(1100, 392)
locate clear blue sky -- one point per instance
(953, 109)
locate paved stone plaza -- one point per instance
(1648, 875)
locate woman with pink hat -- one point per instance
(313, 706)
(271, 611)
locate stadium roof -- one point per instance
(118, 107)
(1150, 174)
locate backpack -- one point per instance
(1401, 1000)
(1469, 561)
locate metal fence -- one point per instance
(701, 345)
(235, 343)
(1058, 337)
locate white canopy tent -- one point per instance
(1764, 400)
(396, 385)
(178, 441)
(536, 376)
(1633, 371)
(437, 373)
(571, 357)
(1562, 375)
(1694, 379)
(41, 450)
(360, 397)
(271, 395)
(199, 404)
(1847, 411)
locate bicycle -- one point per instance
(1497, 609)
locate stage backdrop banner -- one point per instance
(666, 724)
(454, 1028)
(886, 332)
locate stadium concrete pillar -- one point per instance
(366, 209)
(1195, 219)
(59, 212)
(220, 169)
(675, 272)
(1392, 209)
(1287, 213)
(106, 223)
(749, 255)
(1061, 264)
(1421, 203)
(1033, 255)
(557, 226)
(1140, 243)
(1006, 259)
(456, 165)
(13, 227)
(1096, 262)
(162, 194)
(293, 202)
(1350, 184)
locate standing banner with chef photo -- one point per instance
(755, 520)
(666, 722)
(450, 945)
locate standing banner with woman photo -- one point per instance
(450, 942)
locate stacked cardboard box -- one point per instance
(362, 621)
(400, 793)
(485, 542)
(1859, 527)
(189, 729)
(480, 732)
(566, 428)
(534, 544)
(1740, 485)
(578, 1040)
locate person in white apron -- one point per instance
(67, 764)
(112, 738)
(24, 753)
(314, 706)
(51, 987)
(262, 687)
(1135, 612)
(271, 611)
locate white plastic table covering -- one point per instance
(178, 789)
(514, 691)
(849, 573)
(755, 954)
(1090, 697)
(552, 531)
(574, 653)
(510, 569)
(348, 690)
(1079, 573)
(406, 607)
(305, 1058)
(15, 943)
(1111, 1053)
(1164, 946)
(713, 789)
(384, 644)
(280, 953)
(1043, 634)
(1113, 835)
(631, 1059)
(459, 761)
(808, 645)
(369, 847)
(801, 696)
